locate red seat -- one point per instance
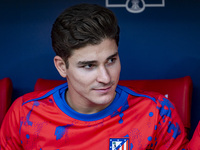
(178, 90)
(5, 96)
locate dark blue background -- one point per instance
(159, 43)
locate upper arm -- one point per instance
(170, 130)
(9, 133)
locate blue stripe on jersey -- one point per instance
(58, 88)
(120, 100)
(129, 91)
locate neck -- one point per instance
(84, 108)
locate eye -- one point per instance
(111, 61)
(89, 66)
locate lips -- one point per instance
(103, 90)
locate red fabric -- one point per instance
(5, 96)
(42, 120)
(179, 92)
(195, 141)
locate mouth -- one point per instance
(103, 90)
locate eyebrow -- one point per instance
(94, 61)
(114, 55)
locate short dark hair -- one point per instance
(82, 25)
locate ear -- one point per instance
(60, 66)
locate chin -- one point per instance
(105, 100)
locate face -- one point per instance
(92, 76)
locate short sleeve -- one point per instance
(170, 130)
(9, 134)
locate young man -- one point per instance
(90, 111)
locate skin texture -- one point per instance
(92, 76)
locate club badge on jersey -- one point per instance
(119, 144)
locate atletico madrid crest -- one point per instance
(119, 144)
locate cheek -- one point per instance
(116, 71)
(81, 79)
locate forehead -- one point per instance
(97, 52)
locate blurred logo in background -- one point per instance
(135, 6)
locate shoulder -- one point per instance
(40, 95)
(33, 96)
(142, 95)
(25, 99)
(146, 100)
(29, 98)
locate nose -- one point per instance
(103, 75)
